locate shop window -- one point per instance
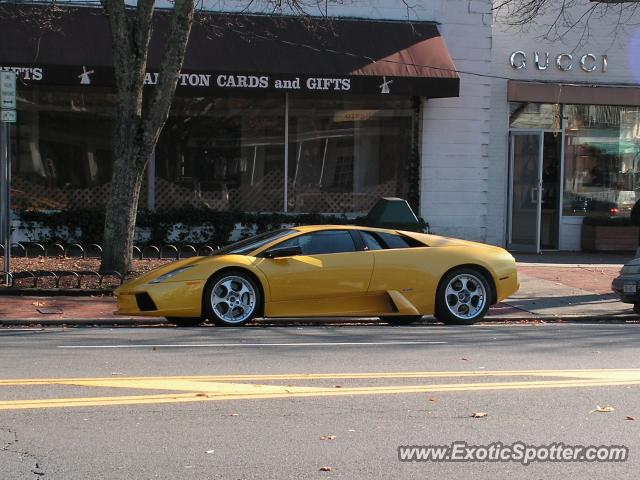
(62, 148)
(602, 159)
(347, 152)
(224, 153)
(534, 115)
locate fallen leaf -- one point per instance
(605, 409)
(210, 451)
(479, 414)
(465, 359)
(327, 437)
(202, 395)
(337, 386)
(234, 414)
(154, 348)
(325, 469)
(433, 399)
(628, 417)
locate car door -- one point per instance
(402, 265)
(330, 268)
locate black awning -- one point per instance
(241, 52)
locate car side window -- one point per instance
(322, 242)
(370, 242)
(393, 241)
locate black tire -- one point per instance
(185, 321)
(404, 320)
(636, 308)
(238, 293)
(467, 305)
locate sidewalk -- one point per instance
(553, 286)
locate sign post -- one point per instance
(7, 117)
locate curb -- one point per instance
(128, 321)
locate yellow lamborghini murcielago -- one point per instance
(325, 271)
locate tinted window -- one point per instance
(393, 241)
(250, 244)
(317, 243)
(370, 242)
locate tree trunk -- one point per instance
(120, 216)
(138, 123)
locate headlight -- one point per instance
(166, 276)
(630, 270)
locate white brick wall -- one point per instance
(455, 142)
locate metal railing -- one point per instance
(68, 279)
(93, 250)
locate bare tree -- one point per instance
(141, 113)
(557, 18)
(138, 120)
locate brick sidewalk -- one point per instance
(592, 279)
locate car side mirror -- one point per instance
(283, 252)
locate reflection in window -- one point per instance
(62, 148)
(602, 153)
(534, 115)
(370, 242)
(222, 153)
(346, 152)
(324, 242)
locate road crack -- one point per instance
(10, 446)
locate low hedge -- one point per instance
(609, 221)
(203, 226)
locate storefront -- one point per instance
(566, 133)
(272, 114)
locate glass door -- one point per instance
(526, 186)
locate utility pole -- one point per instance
(8, 116)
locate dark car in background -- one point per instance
(627, 284)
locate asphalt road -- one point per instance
(283, 402)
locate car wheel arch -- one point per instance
(480, 269)
(234, 268)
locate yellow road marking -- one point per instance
(226, 387)
(593, 373)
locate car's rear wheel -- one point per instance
(232, 299)
(401, 320)
(463, 297)
(185, 321)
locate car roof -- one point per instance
(315, 228)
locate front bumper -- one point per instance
(170, 299)
(627, 287)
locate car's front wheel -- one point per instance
(463, 297)
(232, 299)
(185, 321)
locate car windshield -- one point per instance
(250, 244)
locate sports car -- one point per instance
(328, 271)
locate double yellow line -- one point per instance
(243, 387)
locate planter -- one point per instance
(607, 238)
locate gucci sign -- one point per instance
(563, 61)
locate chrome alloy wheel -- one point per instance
(233, 299)
(465, 296)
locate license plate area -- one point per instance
(629, 288)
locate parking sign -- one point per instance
(8, 90)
